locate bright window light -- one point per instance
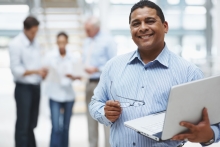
(92, 1)
(14, 8)
(195, 2)
(173, 2)
(127, 1)
(195, 10)
(124, 1)
(89, 1)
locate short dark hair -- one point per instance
(62, 34)
(147, 3)
(30, 22)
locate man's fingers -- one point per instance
(112, 113)
(188, 125)
(113, 118)
(108, 108)
(205, 116)
(113, 103)
(183, 137)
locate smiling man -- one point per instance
(137, 84)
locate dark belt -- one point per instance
(94, 80)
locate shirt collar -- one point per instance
(58, 56)
(162, 58)
(26, 41)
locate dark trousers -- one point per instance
(60, 116)
(27, 99)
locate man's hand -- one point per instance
(42, 72)
(197, 133)
(73, 77)
(91, 70)
(112, 110)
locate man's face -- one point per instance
(31, 33)
(91, 30)
(147, 29)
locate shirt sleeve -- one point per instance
(111, 51)
(100, 97)
(216, 129)
(16, 65)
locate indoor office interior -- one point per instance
(194, 32)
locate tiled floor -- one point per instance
(78, 130)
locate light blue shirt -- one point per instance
(25, 55)
(99, 50)
(151, 82)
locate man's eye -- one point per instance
(135, 24)
(150, 22)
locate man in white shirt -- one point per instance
(25, 63)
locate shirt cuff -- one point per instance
(104, 119)
(216, 132)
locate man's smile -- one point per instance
(145, 36)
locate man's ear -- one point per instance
(166, 27)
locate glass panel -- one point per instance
(172, 43)
(173, 2)
(119, 17)
(194, 47)
(195, 2)
(14, 8)
(195, 10)
(127, 1)
(194, 18)
(194, 22)
(124, 44)
(173, 18)
(12, 16)
(12, 21)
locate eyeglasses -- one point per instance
(135, 103)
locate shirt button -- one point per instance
(134, 144)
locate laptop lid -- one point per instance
(186, 102)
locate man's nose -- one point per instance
(144, 27)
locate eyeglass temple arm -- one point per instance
(111, 91)
(132, 99)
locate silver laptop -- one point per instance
(186, 102)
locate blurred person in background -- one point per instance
(98, 48)
(25, 64)
(60, 91)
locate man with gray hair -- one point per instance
(98, 48)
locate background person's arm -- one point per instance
(17, 67)
(41, 72)
(15, 61)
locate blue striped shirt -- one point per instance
(132, 78)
